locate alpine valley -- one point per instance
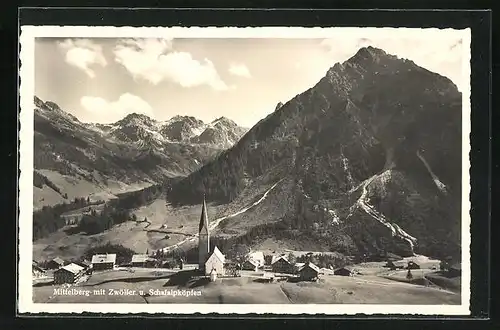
(366, 161)
(75, 159)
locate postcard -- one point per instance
(280, 170)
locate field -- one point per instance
(139, 236)
(247, 289)
(79, 187)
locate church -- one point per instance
(209, 260)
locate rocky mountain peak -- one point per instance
(224, 121)
(186, 119)
(278, 106)
(135, 118)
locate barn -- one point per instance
(215, 261)
(68, 274)
(309, 272)
(343, 272)
(282, 265)
(103, 261)
(390, 264)
(250, 264)
(37, 270)
(143, 260)
(55, 263)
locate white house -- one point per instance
(258, 257)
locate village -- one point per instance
(259, 267)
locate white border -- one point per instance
(25, 289)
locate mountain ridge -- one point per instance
(78, 158)
(357, 146)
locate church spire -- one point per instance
(204, 217)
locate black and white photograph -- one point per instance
(244, 170)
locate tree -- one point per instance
(291, 258)
(238, 252)
(409, 275)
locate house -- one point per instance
(309, 272)
(390, 264)
(250, 264)
(413, 265)
(298, 266)
(343, 272)
(455, 270)
(37, 270)
(215, 261)
(103, 261)
(392, 257)
(170, 263)
(282, 265)
(55, 263)
(257, 256)
(84, 263)
(143, 260)
(68, 274)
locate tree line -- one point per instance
(97, 222)
(48, 219)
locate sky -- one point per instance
(101, 80)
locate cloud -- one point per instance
(154, 60)
(440, 53)
(83, 53)
(240, 70)
(112, 111)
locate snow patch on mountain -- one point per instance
(363, 202)
(441, 186)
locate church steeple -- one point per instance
(204, 218)
(203, 237)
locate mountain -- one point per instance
(366, 161)
(75, 159)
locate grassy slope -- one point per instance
(136, 236)
(79, 187)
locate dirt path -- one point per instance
(216, 222)
(285, 293)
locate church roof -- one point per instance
(218, 254)
(204, 217)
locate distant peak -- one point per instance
(191, 119)
(135, 116)
(367, 54)
(223, 120)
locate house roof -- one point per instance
(73, 268)
(279, 258)
(310, 265)
(299, 265)
(253, 262)
(37, 268)
(257, 256)
(141, 258)
(103, 258)
(58, 260)
(343, 269)
(218, 254)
